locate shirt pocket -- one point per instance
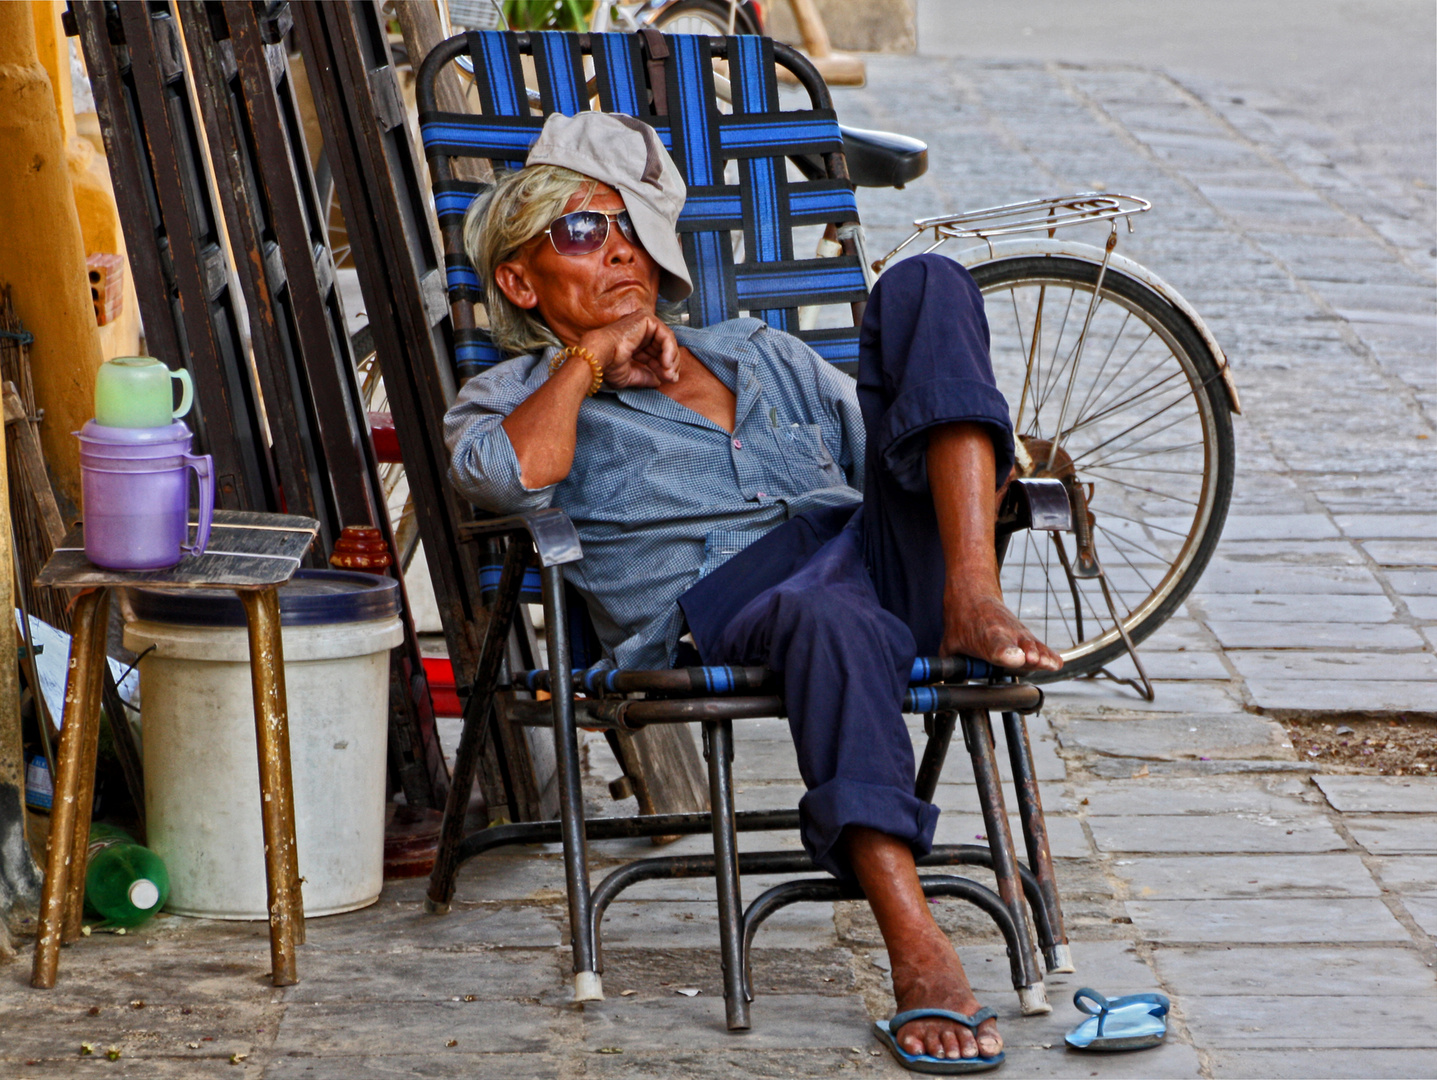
(721, 545)
(809, 463)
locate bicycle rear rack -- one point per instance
(1034, 215)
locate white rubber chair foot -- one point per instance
(1033, 1000)
(588, 986)
(1063, 961)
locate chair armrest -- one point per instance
(1035, 504)
(556, 541)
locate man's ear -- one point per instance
(513, 280)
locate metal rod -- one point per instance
(718, 744)
(1054, 942)
(588, 985)
(60, 855)
(276, 784)
(978, 736)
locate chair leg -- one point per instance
(588, 984)
(939, 728)
(1057, 954)
(978, 736)
(62, 860)
(718, 748)
(478, 712)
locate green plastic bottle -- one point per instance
(125, 883)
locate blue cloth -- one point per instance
(661, 495)
(841, 602)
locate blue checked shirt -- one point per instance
(661, 495)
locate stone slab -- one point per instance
(1279, 527)
(446, 1064)
(1171, 738)
(780, 1022)
(414, 1027)
(1380, 794)
(1271, 666)
(1422, 608)
(409, 974)
(1409, 875)
(1272, 607)
(1265, 921)
(1066, 838)
(664, 924)
(1361, 1023)
(1231, 833)
(1311, 1064)
(1248, 579)
(1314, 635)
(467, 925)
(1415, 552)
(1423, 909)
(1089, 696)
(1173, 666)
(1227, 795)
(1406, 835)
(1348, 972)
(1314, 695)
(1235, 876)
(1413, 582)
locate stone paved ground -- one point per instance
(1291, 916)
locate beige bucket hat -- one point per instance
(626, 154)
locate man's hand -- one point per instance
(638, 350)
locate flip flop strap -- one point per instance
(985, 1013)
(1092, 995)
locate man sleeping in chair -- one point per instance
(729, 480)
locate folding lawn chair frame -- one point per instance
(669, 82)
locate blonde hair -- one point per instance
(519, 207)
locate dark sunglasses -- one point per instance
(584, 231)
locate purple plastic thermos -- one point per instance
(136, 487)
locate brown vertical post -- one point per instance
(81, 711)
(271, 718)
(93, 647)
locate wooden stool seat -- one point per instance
(253, 554)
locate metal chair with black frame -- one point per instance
(668, 81)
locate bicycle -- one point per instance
(1119, 390)
(705, 17)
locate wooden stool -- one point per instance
(253, 554)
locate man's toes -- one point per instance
(952, 1047)
(989, 1041)
(967, 1045)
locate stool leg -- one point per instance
(276, 784)
(89, 753)
(1056, 952)
(718, 748)
(588, 985)
(978, 735)
(81, 713)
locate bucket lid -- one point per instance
(134, 436)
(310, 598)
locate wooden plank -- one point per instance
(32, 462)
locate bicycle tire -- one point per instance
(712, 12)
(1144, 605)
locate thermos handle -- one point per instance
(203, 465)
(187, 392)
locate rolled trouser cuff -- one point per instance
(828, 809)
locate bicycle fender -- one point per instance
(1018, 248)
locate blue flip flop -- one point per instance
(922, 1063)
(1134, 1022)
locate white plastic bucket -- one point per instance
(202, 797)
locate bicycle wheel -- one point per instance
(1143, 434)
(708, 17)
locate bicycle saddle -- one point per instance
(883, 159)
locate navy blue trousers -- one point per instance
(841, 600)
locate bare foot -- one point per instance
(932, 977)
(977, 623)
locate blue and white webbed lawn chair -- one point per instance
(669, 82)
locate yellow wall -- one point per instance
(57, 206)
